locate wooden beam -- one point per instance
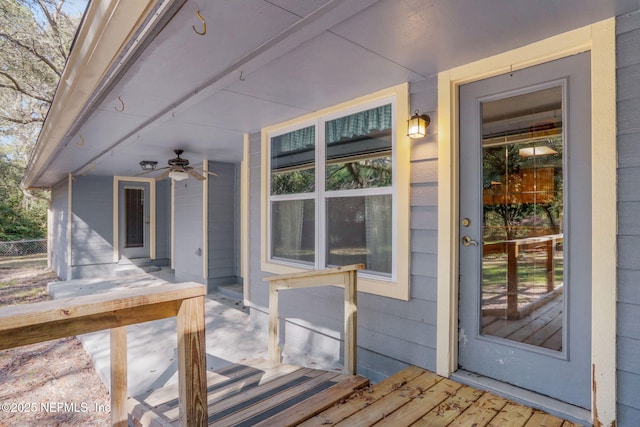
(192, 365)
(350, 324)
(273, 349)
(346, 276)
(43, 321)
(118, 350)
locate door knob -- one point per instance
(468, 241)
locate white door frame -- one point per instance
(599, 38)
(116, 213)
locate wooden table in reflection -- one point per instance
(512, 248)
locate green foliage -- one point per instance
(35, 40)
(21, 217)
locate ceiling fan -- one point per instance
(179, 169)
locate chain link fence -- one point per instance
(23, 247)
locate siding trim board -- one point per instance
(599, 38)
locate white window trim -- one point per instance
(398, 285)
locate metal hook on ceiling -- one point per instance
(122, 104)
(204, 25)
(241, 77)
(81, 142)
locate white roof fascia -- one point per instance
(106, 30)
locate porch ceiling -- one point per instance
(265, 61)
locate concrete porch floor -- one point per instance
(231, 336)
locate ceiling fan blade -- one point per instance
(195, 174)
(150, 171)
(163, 175)
(202, 171)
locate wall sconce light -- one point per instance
(417, 125)
(148, 165)
(178, 175)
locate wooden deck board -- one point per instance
(267, 394)
(365, 397)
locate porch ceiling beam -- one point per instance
(322, 19)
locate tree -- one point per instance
(35, 41)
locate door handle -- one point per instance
(468, 241)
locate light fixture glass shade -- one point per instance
(148, 165)
(178, 175)
(417, 125)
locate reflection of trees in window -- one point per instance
(522, 190)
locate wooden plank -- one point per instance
(351, 324)
(192, 365)
(43, 321)
(450, 409)
(392, 401)
(273, 348)
(118, 354)
(264, 389)
(168, 395)
(318, 403)
(234, 394)
(316, 273)
(540, 419)
(512, 415)
(364, 398)
(420, 403)
(275, 400)
(482, 411)
(87, 305)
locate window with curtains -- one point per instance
(331, 191)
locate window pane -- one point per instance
(293, 230)
(358, 150)
(134, 217)
(359, 230)
(293, 162)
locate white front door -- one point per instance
(525, 221)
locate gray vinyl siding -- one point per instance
(628, 309)
(92, 225)
(188, 231)
(391, 333)
(163, 220)
(59, 223)
(224, 222)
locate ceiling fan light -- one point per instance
(178, 175)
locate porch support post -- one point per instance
(350, 323)
(274, 350)
(192, 365)
(118, 353)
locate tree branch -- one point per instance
(22, 121)
(18, 88)
(34, 52)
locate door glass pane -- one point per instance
(523, 259)
(134, 217)
(359, 230)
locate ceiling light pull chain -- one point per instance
(204, 25)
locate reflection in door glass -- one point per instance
(523, 260)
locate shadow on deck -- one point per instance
(259, 392)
